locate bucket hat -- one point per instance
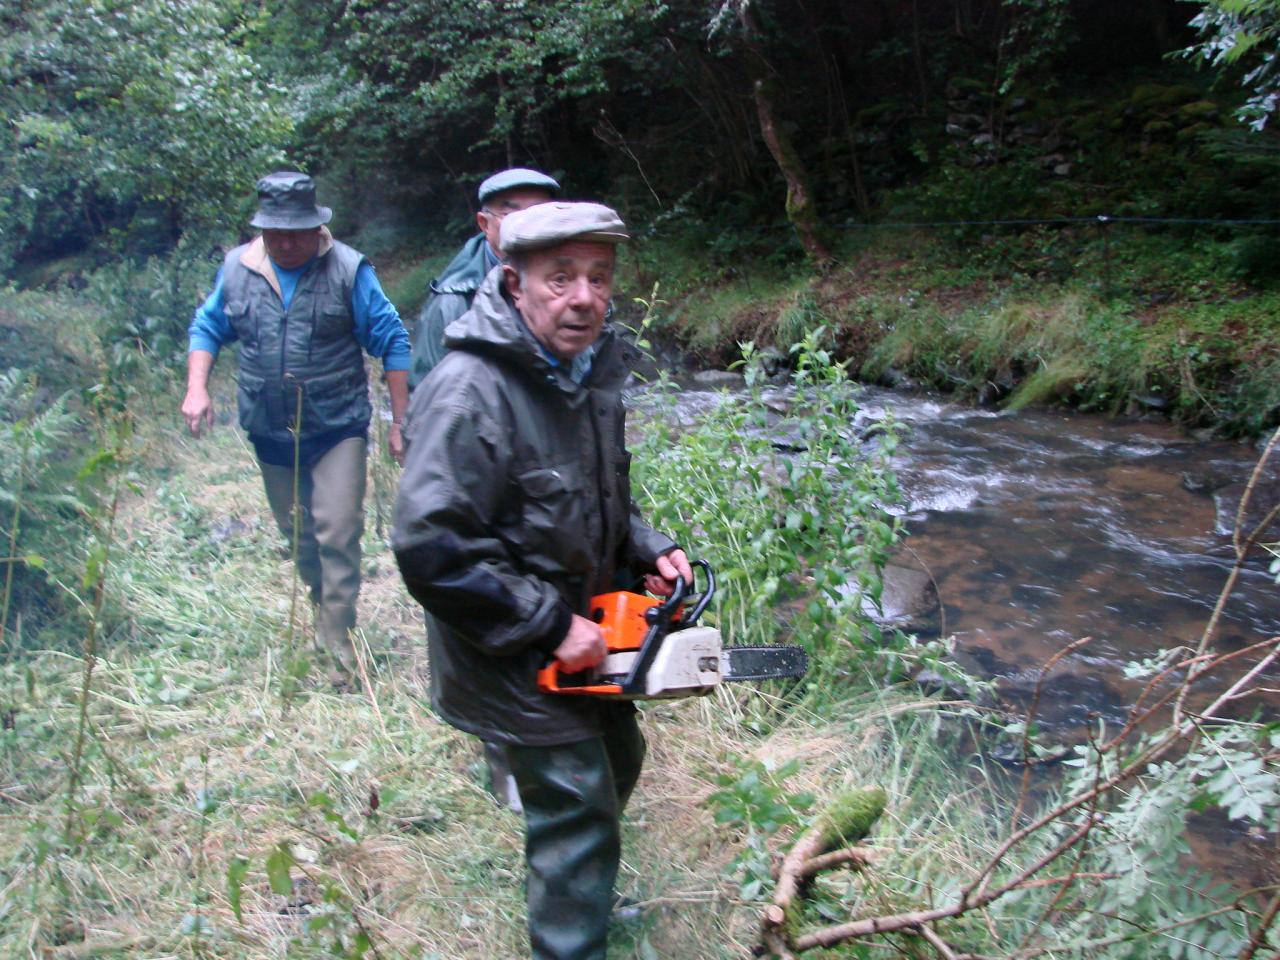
(287, 201)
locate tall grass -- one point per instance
(209, 825)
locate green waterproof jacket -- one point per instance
(451, 296)
(514, 509)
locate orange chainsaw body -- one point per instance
(622, 619)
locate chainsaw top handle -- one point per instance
(691, 618)
(661, 620)
(665, 611)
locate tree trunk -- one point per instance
(800, 207)
(801, 210)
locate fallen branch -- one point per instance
(846, 821)
(858, 857)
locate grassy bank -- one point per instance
(168, 790)
(207, 813)
(1134, 323)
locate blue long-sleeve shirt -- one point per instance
(377, 324)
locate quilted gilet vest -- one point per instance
(307, 353)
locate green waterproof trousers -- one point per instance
(573, 798)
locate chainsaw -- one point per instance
(657, 650)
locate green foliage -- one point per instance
(145, 118)
(790, 507)
(1243, 37)
(145, 309)
(1037, 33)
(1144, 851)
(754, 802)
(492, 68)
(38, 518)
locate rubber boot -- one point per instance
(502, 783)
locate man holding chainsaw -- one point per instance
(514, 509)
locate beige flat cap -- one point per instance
(548, 224)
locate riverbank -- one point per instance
(1161, 325)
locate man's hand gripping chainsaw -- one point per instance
(657, 650)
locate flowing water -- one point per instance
(1039, 528)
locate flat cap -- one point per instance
(549, 224)
(517, 177)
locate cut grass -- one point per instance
(185, 716)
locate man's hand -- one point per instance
(398, 388)
(197, 410)
(583, 646)
(395, 443)
(670, 565)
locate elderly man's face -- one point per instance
(489, 219)
(563, 294)
(290, 249)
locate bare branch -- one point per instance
(1030, 718)
(856, 857)
(935, 941)
(1242, 548)
(1248, 495)
(1152, 753)
(1259, 935)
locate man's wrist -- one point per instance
(562, 620)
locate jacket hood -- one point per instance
(465, 271)
(493, 327)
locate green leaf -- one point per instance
(237, 870)
(279, 863)
(95, 564)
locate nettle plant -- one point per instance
(36, 431)
(786, 496)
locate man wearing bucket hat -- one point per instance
(514, 509)
(305, 308)
(452, 292)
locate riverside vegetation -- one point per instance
(173, 783)
(170, 785)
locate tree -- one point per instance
(489, 71)
(1243, 34)
(122, 111)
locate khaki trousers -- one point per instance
(331, 499)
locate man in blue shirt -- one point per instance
(305, 309)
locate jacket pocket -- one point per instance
(254, 414)
(241, 321)
(551, 527)
(334, 400)
(332, 323)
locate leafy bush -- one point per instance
(787, 498)
(147, 109)
(38, 518)
(145, 308)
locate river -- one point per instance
(1030, 530)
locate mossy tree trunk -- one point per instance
(801, 209)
